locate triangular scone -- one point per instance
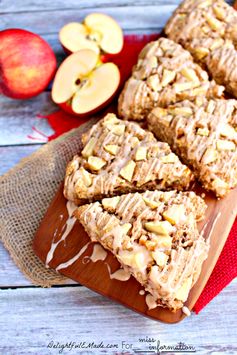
(207, 29)
(154, 236)
(119, 157)
(165, 73)
(204, 135)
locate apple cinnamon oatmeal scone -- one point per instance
(165, 73)
(154, 236)
(205, 138)
(119, 157)
(208, 29)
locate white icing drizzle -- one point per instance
(71, 207)
(186, 311)
(141, 292)
(86, 259)
(120, 274)
(72, 260)
(99, 253)
(123, 203)
(69, 225)
(213, 224)
(151, 301)
(203, 230)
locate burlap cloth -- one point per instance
(25, 193)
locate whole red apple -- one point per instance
(27, 64)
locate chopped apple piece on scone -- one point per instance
(160, 246)
(120, 157)
(83, 85)
(98, 32)
(206, 140)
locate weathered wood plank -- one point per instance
(37, 317)
(53, 15)
(18, 116)
(34, 5)
(44, 22)
(9, 156)
(7, 6)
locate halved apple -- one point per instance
(74, 36)
(98, 32)
(83, 85)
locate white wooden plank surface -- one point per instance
(11, 155)
(18, 116)
(43, 22)
(31, 318)
(7, 6)
(10, 275)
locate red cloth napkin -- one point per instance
(226, 268)
(224, 272)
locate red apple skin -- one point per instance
(67, 107)
(27, 64)
(66, 51)
(107, 57)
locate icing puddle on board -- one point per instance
(150, 301)
(98, 254)
(120, 274)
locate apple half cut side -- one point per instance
(83, 85)
(74, 36)
(99, 32)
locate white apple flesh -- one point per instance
(84, 84)
(98, 32)
(98, 88)
(74, 36)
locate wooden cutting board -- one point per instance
(220, 216)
